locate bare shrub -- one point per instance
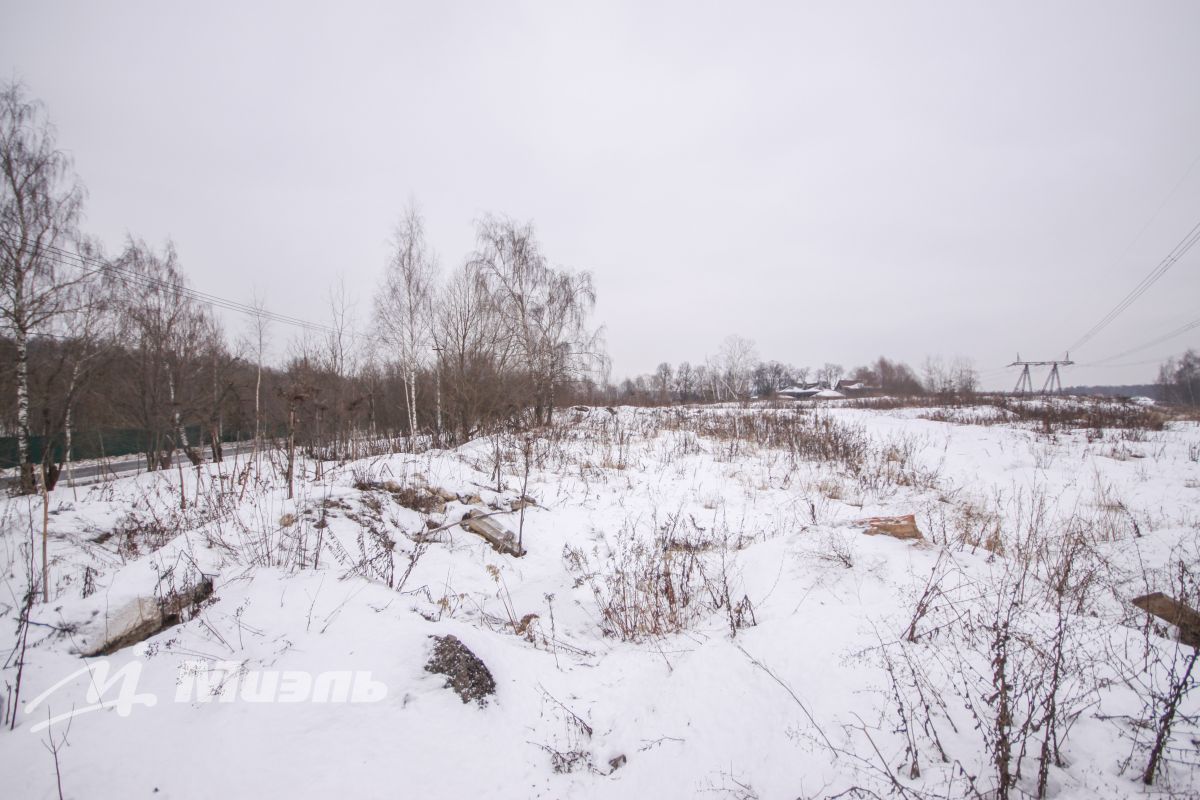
(661, 585)
(1163, 674)
(643, 588)
(837, 549)
(965, 525)
(571, 752)
(1019, 651)
(1054, 414)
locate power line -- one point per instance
(92, 265)
(1171, 194)
(1099, 365)
(1118, 309)
(1187, 243)
(1182, 329)
(195, 294)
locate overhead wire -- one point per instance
(1155, 274)
(92, 265)
(1179, 251)
(1182, 329)
(1147, 362)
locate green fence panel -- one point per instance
(106, 443)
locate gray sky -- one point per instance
(834, 181)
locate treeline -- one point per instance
(1179, 379)
(91, 342)
(735, 373)
(122, 345)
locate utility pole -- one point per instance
(1053, 384)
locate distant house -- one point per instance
(799, 391)
(851, 387)
(808, 391)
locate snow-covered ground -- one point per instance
(698, 613)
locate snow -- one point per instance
(793, 702)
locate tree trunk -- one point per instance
(412, 403)
(23, 453)
(215, 441)
(407, 406)
(214, 421)
(438, 391)
(68, 421)
(291, 460)
(371, 410)
(257, 407)
(180, 431)
(45, 539)
(68, 430)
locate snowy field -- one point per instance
(699, 613)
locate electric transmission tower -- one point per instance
(1053, 384)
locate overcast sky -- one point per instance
(834, 181)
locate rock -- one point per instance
(903, 527)
(618, 762)
(465, 673)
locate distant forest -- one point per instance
(1152, 390)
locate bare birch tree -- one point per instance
(403, 306)
(82, 339)
(259, 335)
(169, 331)
(473, 348)
(40, 201)
(545, 310)
(734, 367)
(339, 363)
